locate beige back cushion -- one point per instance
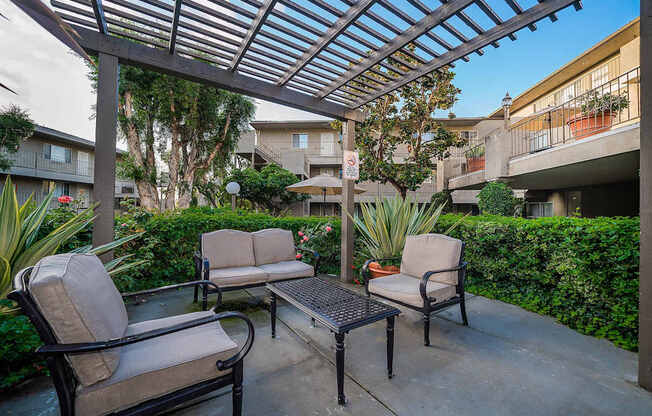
(273, 245)
(228, 248)
(77, 297)
(428, 252)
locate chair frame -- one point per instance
(202, 272)
(430, 305)
(65, 382)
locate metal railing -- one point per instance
(595, 111)
(269, 153)
(38, 162)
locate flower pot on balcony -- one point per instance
(376, 270)
(475, 163)
(589, 124)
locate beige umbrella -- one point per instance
(321, 185)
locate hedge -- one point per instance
(583, 272)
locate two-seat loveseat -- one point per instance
(235, 260)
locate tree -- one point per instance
(15, 127)
(444, 198)
(400, 140)
(191, 128)
(267, 188)
(498, 199)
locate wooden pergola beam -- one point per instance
(132, 53)
(518, 10)
(337, 28)
(98, 10)
(534, 14)
(256, 25)
(422, 26)
(175, 26)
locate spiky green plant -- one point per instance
(19, 227)
(383, 226)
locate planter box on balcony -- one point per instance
(475, 163)
(587, 125)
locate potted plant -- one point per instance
(383, 226)
(597, 113)
(475, 159)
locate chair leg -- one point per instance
(465, 321)
(426, 328)
(237, 389)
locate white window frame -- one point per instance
(300, 147)
(63, 154)
(600, 76)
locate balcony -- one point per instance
(607, 107)
(34, 164)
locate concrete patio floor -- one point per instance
(507, 362)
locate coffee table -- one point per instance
(338, 309)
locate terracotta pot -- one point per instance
(376, 270)
(588, 125)
(475, 163)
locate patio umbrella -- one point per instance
(321, 185)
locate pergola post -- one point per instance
(106, 122)
(348, 206)
(645, 275)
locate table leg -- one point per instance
(272, 310)
(390, 346)
(339, 361)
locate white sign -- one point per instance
(351, 165)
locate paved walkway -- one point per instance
(508, 362)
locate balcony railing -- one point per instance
(272, 155)
(38, 162)
(611, 104)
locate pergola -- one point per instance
(322, 56)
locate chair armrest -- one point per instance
(314, 254)
(203, 283)
(365, 270)
(426, 277)
(86, 347)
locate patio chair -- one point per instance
(431, 278)
(101, 364)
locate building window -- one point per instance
(538, 209)
(60, 188)
(127, 190)
(83, 163)
(300, 141)
(56, 153)
(568, 93)
(600, 76)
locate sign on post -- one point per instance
(350, 165)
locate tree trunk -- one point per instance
(173, 163)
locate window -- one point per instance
(60, 188)
(327, 144)
(538, 209)
(539, 140)
(469, 134)
(300, 141)
(56, 153)
(600, 76)
(567, 93)
(127, 190)
(83, 165)
(327, 171)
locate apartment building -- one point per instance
(51, 159)
(570, 142)
(310, 148)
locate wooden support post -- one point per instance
(645, 275)
(106, 123)
(348, 205)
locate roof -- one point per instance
(62, 137)
(320, 56)
(589, 58)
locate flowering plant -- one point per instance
(323, 239)
(64, 199)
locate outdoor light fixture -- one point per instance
(507, 104)
(233, 188)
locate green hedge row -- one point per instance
(583, 272)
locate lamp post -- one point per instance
(507, 104)
(233, 188)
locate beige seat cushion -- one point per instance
(228, 248)
(158, 366)
(288, 270)
(77, 297)
(428, 252)
(237, 276)
(273, 245)
(404, 288)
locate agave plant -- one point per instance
(19, 229)
(383, 226)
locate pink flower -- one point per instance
(124, 224)
(305, 239)
(328, 229)
(298, 256)
(64, 199)
(300, 234)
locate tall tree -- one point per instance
(15, 126)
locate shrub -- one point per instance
(583, 272)
(17, 359)
(496, 198)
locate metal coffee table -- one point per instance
(338, 309)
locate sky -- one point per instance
(51, 81)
